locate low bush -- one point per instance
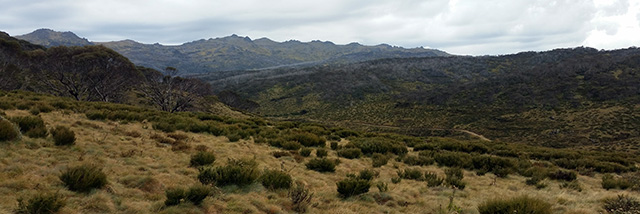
(278, 154)
(305, 152)
(32, 126)
(84, 178)
(321, 153)
(300, 197)
(622, 204)
(334, 145)
(350, 153)
(63, 136)
(379, 160)
(236, 172)
(379, 145)
(202, 158)
(417, 160)
(563, 175)
(522, 204)
(307, 139)
(367, 174)
(454, 178)
(275, 179)
(424, 146)
(8, 131)
(453, 159)
(610, 182)
(412, 174)
(174, 196)
(40, 204)
(321, 165)
(290, 145)
(197, 193)
(432, 179)
(350, 187)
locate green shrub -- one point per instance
(417, 160)
(334, 145)
(367, 174)
(275, 179)
(278, 154)
(432, 179)
(610, 182)
(622, 204)
(32, 126)
(174, 196)
(63, 136)
(84, 178)
(40, 204)
(454, 178)
(424, 146)
(321, 165)
(453, 159)
(412, 174)
(382, 186)
(379, 160)
(290, 145)
(202, 158)
(307, 139)
(499, 166)
(234, 137)
(350, 153)
(563, 175)
(350, 187)
(522, 204)
(8, 131)
(305, 152)
(321, 153)
(396, 180)
(379, 145)
(197, 193)
(300, 198)
(236, 172)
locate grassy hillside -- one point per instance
(145, 153)
(559, 98)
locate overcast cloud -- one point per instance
(456, 26)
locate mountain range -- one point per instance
(233, 52)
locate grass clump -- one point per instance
(522, 204)
(275, 179)
(454, 178)
(321, 153)
(40, 204)
(321, 165)
(237, 172)
(305, 152)
(412, 174)
(202, 158)
(350, 153)
(195, 194)
(353, 186)
(84, 178)
(432, 179)
(32, 126)
(610, 182)
(63, 136)
(174, 196)
(622, 204)
(8, 131)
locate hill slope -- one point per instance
(563, 97)
(235, 53)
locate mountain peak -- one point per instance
(50, 38)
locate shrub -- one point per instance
(350, 153)
(610, 182)
(275, 179)
(379, 160)
(350, 187)
(321, 165)
(40, 204)
(417, 160)
(432, 179)
(290, 145)
(300, 198)
(278, 154)
(396, 180)
(307, 139)
(380, 145)
(8, 131)
(382, 186)
(522, 204)
(334, 145)
(305, 152)
(367, 174)
(234, 137)
(413, 174)
(236, 172)
(454, 178)
(453, 159)
(563, 175)
(424, 146)
(84, 178)
(63, 136)
(197, 193)
(174, 196)
(202, 158)
(321, 153)
(621, 205)
(32, 126)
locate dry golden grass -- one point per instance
(139, 169)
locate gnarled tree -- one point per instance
(173, 93)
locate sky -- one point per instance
(466, 27)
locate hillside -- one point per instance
(234, 52)
(558, 98)
(144, 153)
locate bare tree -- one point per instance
(173, 93)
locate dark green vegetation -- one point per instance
(558, 98)
(233, 52)
(236, 172)
(84, 178)
(202, 158)
(63, 136)
(622, 204)
(40, 204)
(195, 194)
(8, 131)
(522, 204)
(276, 179)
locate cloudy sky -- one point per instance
(457, 26)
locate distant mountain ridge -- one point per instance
(234, 52)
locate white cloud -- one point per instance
(457, 26)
